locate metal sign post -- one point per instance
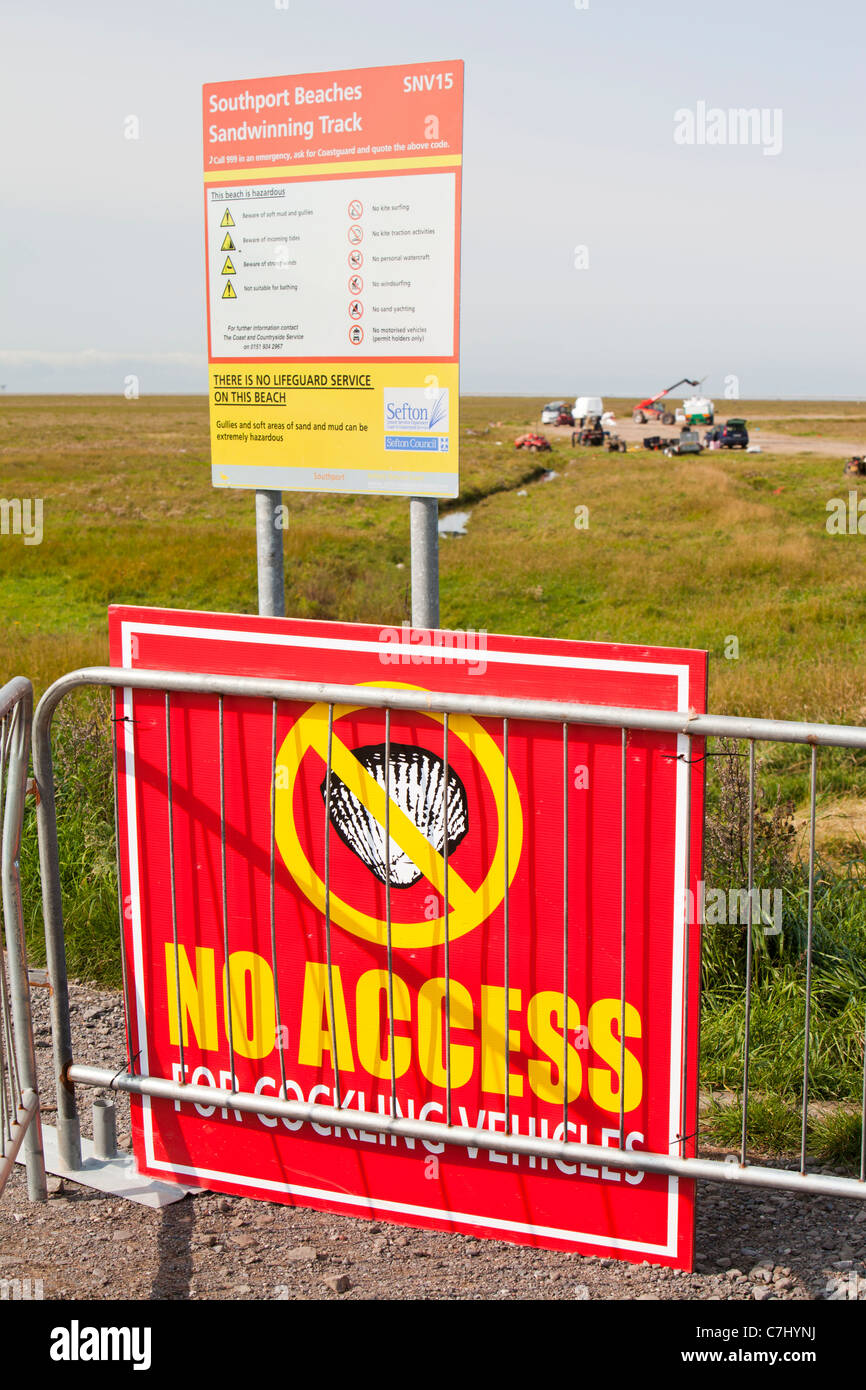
(269, 555)
(424, 542)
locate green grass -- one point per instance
(678, 552)
(833, 1136)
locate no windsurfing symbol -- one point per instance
(396, 831)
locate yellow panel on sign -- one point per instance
(336, 427)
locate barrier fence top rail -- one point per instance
(493, 707)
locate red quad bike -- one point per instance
(651, 410)
(535, 443)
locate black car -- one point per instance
(732, 435)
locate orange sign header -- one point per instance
(359, 113)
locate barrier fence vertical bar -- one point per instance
(446, 911)
(170, 801)
(124, 964)
(424, 560)
(388, 910)
(225, 900)
(68, 1124)
(505, 923)
(863, 1114)
(687, 949)
(748, 1004)
(272, 884)
(22, 1050)
(807, 1027)
(331, 1016)
(565, 1016)
(269, 555)
(622, 929)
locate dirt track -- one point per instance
(751, 1245)
(769, 442)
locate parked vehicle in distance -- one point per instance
(535, 443)
(699, 410)
(550, 412)
(689, 442)
(732, 435)
(590, 434)
(585, 407)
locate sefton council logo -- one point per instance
(413, 410)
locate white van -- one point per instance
(699, 410)
(585, 406)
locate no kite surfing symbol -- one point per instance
(467, 907)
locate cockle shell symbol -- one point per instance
(416, 783)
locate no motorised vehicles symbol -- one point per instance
(468, 907)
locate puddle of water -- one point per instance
(453, 523)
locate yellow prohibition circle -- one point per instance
(468, 907)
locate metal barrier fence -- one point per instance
(19, 1096)
(686, 724)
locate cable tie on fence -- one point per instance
(681, 757)
(122, 1069)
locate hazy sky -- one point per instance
(703, 259)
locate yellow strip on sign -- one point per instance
(360, 166)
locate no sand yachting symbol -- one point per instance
(356, 309)
(415, 800)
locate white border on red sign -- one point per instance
(134, 628)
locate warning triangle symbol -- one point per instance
(229, 291)
(228, 220)
(228, 244)
(228, 268)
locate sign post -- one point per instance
(269, 554)
(332, 215)
(424, 539)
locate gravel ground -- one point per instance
(751, 1244)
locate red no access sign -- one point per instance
(517, 1028)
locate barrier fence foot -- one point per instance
(115, 1176)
